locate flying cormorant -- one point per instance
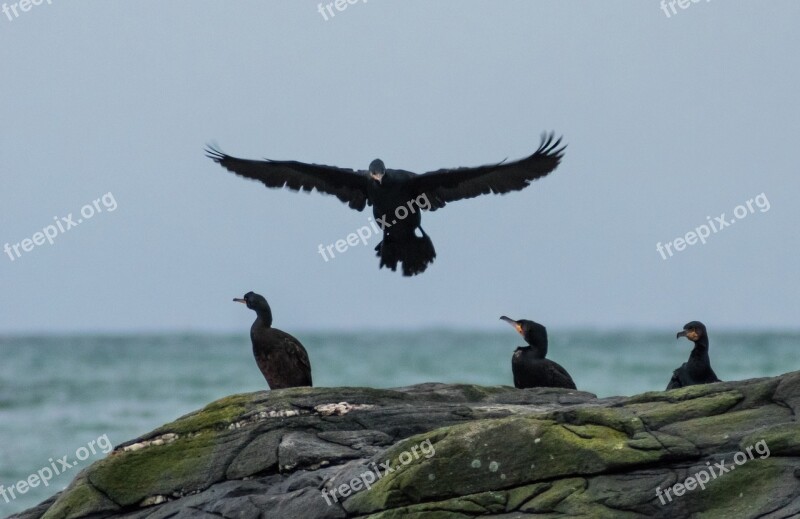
(397, 196)
(529, 365)
(698, 369)
(281, 358)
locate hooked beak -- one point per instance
(681, 334)
(513, 323)
(378, 177)
(238, 300)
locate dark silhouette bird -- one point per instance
(397, 196)
(698, 369)
(529, 365)
(281, 358)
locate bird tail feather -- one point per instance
(414, 252)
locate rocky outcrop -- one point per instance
(458, 451)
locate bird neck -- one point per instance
(264, 316)
(538, 351)
(700, 352)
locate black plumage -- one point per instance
(281, 358)
(399, 196)
(698, 369)
(529, 365)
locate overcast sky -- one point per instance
(669, 121)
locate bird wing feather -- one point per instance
(347, 185)
(567, 378)
(449, 185)
(297, 358)
(675, 382)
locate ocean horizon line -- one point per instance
(431, 329)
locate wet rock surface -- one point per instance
(458, 451)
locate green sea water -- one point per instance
(58, 394)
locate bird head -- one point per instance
(694, 331)
(258, 303)
(534, 333)
(377, 170)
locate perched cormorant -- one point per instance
(529, 365)
(281, 358)
(698, 369)
(397, 196)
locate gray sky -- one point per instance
(669, 120)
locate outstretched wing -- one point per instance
(449, 185)
(345, 184)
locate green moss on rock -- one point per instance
(675, 395)
(500, 454)
(181, 466)
(717, 430)
(216, 415)
(742, 492)
(474, 393)
(466, 506)
(617, 418)
(781, 440)
(548, 501)
(659, 414)
(518, 496)
(79, 500)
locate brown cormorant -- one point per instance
(397, 196)
(698, 369)
(529, 365)
(281, 358)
